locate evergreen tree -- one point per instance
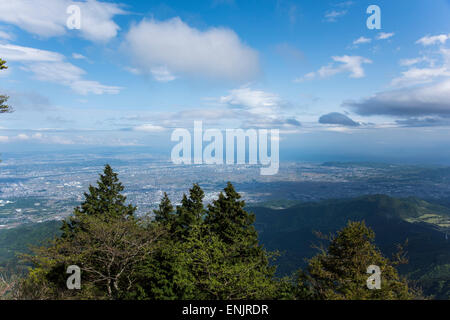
(4, 98)
(340, 271)
(104, 239)
(190, 213)
(228, 219)
(104, 201)
(164, 276)
(194, 261)
(4, 108)
(164, 213)
(211, 269)
(156, 275)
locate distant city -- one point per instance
(36, 188)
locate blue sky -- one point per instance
(138, 69)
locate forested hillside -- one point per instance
(395, 221)
(193, 251)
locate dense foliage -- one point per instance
(4, 98)
(339, 272)
(393, 220)
(192, 252)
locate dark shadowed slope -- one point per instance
(394, 221)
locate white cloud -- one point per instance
(256, 101)
(419, 75)
(26, 54)
(433, 99)
(331, 16)
(258, 108)
(412, 61)
(445, 53)
(173, 47)
(385, 35)
(206, 114)
(162, 74)
(85, 87)
(22, 136)
(78, 56)
(345, 4)
(4, 35)
(48, 18)
(149, 128)
(350, 64)
(66, 139)
(416, 75)
(54, 72)
(50, 67)
(362, 40)
(430, 40)
(134, 71)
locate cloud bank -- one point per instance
(51, 66)
(433, 99)
(168, 48)
(48, 18)
(337, 118)
(342, 64)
